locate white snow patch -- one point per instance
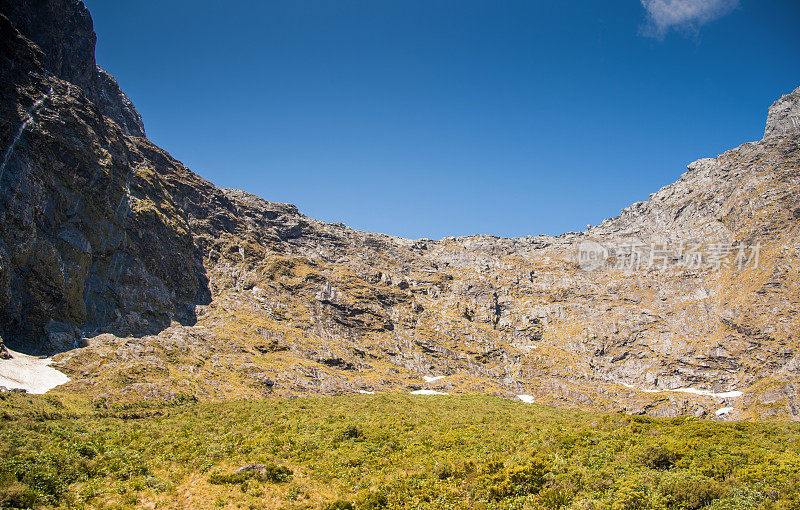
(35, 375)
(427, 392)
(693, 391)
(724, 410)
(365, 392)
(528, 399)
(725, 394)
(432, 379)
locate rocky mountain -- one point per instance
(151, 283)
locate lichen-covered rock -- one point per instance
(784, 115)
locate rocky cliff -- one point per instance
(63, 31)
(153, 283)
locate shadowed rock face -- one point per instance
(62, 30)
(83, 246)
(175, 286)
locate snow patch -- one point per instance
(29, 373)
(725, 394)
(365, 392)
(724, 410)
(528, 399)
(693, 391)
(432, 379)
(427, 392)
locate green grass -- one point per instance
(387, 451)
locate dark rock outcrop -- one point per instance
(84, 244)
(63, 31)
(4, 354)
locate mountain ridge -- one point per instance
(152, 283)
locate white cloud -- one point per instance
(685, 15)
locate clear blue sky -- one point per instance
(426, 118)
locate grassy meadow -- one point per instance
(385, 451)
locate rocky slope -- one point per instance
(154, 284)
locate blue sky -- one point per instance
(426, 118)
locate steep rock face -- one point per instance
(83, 245)
(784, 115)
(177, 287)
(63, 30)
(717, 199)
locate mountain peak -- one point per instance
(784, 115)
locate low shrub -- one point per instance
(743, 498)
(18, 495)
(517, 480)
(556, 496)
(349, 432)
(632, 494)
(658, 457)
(689, 490)
(269, 473)
(339, 504)
(372, 501)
